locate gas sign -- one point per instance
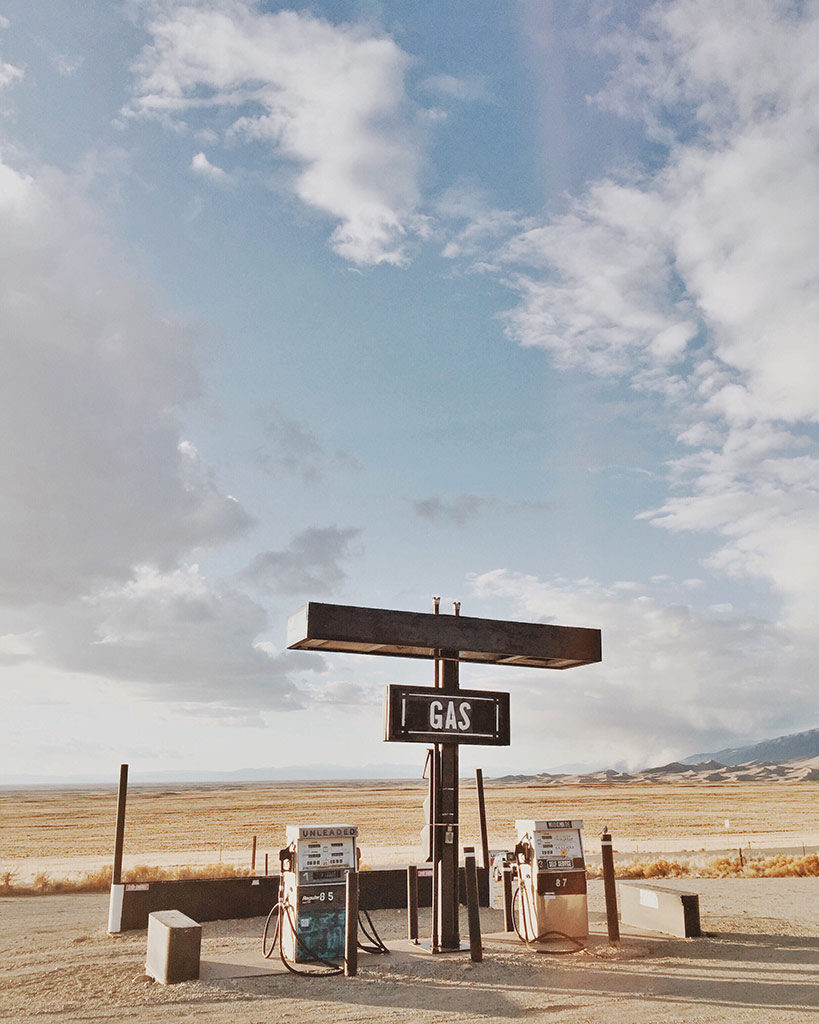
(420, 714)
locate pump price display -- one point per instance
(425, 715)
(558, 848)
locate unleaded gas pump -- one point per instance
(314, 868)
(551, 899)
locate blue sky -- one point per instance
(365, 302)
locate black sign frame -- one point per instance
(405, 705)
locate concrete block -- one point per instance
(174, 947)
(659, 909)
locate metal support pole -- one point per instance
(253, 857)
(351, 926)
(412, 903)
(448, 901)
(482, 816)
(609, 886)
(119, 838)
(436, 846)
(435, 808)
(508, 919)
(471, 874)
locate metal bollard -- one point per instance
(351, 926)
(471, 873)
(412, 903)
(609, 886)
(508, 919)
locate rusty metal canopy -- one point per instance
(337, 627)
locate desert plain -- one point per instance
(758, 961)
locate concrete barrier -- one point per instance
(659, 908)
(222, 899)
(174, 947)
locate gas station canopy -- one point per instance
(337, 627)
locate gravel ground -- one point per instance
(758, 963)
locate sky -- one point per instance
(365, 302)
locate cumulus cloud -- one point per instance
(330, 99)
(472, 225)
(104, 500)
(309, 565)
(98, 475)
(205, 169)
(177, 638)
(673, 679)
(698, 278)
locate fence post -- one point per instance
(119, 836)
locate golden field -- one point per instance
(51, 823)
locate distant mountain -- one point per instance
(796, 747)
(802, 770)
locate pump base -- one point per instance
(426, 946)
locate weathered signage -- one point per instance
(422, 714)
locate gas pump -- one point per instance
(551, 898)
(314, 865)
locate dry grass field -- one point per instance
(203, 819)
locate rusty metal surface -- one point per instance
(345, 628)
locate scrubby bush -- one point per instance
(778, 866)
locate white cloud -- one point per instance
(673, 680)
(472, 224)
(467, 89)
(67, 66)
(174, 637)
(699, 278)
(98, 478)
(329, 98)
(9, 73)
(204, 168)
(104, 500)
(604, 295)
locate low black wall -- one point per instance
(222, 899)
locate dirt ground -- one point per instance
(758, 963)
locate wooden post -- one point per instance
(265, 866)
(412, 903)
(508, 919)
(119, 835)
(253, 857)
(474, 917)
(609, 887)
(482, 816)
(351, 926)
